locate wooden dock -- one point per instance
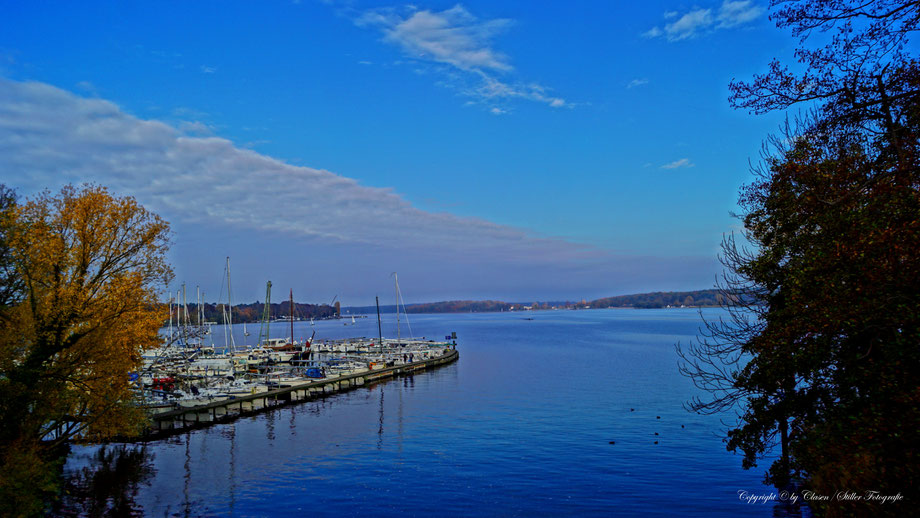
(181, 419)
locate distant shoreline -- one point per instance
(279, 312)
(521, 311)
(651, 300)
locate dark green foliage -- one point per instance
(822, 357)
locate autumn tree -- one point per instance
(10, 283)
(90, 266)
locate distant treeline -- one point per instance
(662, 299)
(253, 312)
(642, 300)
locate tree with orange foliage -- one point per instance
(88, 266)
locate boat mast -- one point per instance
(406, 313)
(223, 313)
(292, 316)
(170, 319)
(230, 307)
(379, 327)
(185, 310)
(264, 328)
(179, 316)
(396, 278)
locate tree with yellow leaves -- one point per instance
(84, 269)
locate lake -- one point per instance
(521, 425)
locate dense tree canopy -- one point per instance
(89, 267)
(822, 353)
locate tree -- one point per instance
(10, 283)
(820, 354)
(852, 73)
(91, 266)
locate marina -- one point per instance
(227, 407)
(191, 380)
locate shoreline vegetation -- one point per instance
(252, 312)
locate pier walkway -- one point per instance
(180, 419)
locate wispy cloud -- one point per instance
(49, 136)
(456, 38)
(636, 83)
(732, 13)
(209, 186)
(452, 36)
(205, 69)
(677, 164)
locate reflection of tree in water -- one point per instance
(109, 485)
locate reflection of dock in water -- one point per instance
(181, 419)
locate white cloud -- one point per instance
(637, 82)
(654, 32)
(677, 164)
(456, 38)
(491, 89)
(698, 20)
(207, 70)
(49, 137)
(688, 25)
(453, 36)
(733, 14)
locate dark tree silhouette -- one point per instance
(819, 354)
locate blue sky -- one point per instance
(511, 150)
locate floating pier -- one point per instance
(181, 419)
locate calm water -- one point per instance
(520, 426)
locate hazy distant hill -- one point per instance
(661, 299)
(657, 299)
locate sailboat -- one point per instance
(245, 332)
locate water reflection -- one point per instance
(186, 502)
(108, 485)
(513, 429)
